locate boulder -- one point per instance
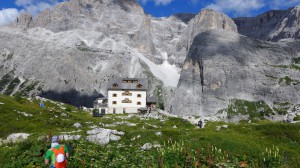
(103, 136)
(114, 137)
(222, 126)
(146, 146)
(17, 137)
(158, 133)
(69, 137)
(156, 146)
(290, 117)
(77, 125)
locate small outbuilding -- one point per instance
(100, 107)
(151, 103)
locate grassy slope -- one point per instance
(246, 139)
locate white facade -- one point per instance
(126, 101)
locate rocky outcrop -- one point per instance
(24, 21)
(209, 19)
(77, 125)
(146, 146)
(67, 137)
(222, 66)
(83, 14)
(274, 25)
(14, 138)
(103, 136)
(185, 17)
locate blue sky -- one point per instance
(9, 9)
(233, 8)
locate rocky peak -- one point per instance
(209, 19)
(271, 26)
(212, 20)
(86, 14)
(206, 20)
(23, 21)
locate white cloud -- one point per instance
(238, 7)
(158, 2)
(23, 2)
(249, 7)
(279, 4)
(8, 15)
(35, 6)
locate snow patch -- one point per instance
(166, 72)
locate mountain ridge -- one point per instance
(273, 25)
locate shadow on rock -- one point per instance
(72, 97)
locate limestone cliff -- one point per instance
(207, 19)
(274, 25)
(23, 21)
(222, 66)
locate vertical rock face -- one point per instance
(222, 66)
(210, 20)
(23, 21)
(207, 19)
(272, 26)
(289, 27)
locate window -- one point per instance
(139, 95)
(115, 85)
(139, 86)
(114, 95)
(126, 93)
(139, 103)
(130, 81)
(126, 101)
(114, 102)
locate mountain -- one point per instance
(223, 66)
(70, 52)
(271, 26)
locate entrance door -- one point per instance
(114, 110)
(124, 110)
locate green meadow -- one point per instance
(257, 144)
